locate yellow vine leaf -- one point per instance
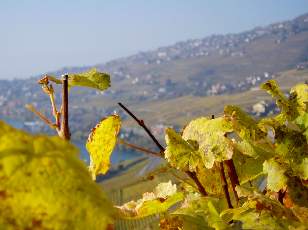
(209, 134)
(44, 185)
(101, 143)
(181, 154)
(92, 79)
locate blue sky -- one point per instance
(38, 36)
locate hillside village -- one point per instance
(224, 45)
(230, 45)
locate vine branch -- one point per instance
(193, 176)
(233, 176)
(224, 183)
(141, 123)
(62, 128)
(133, 146)
(40, 115)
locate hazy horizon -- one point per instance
(43, 36)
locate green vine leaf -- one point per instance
(288, 107)
(211, 138)
(243, 124)
(292, 149)
(260, 212)
(299, 93)
(101, 143)
(201, 213)
(165, 195)
(276, 178)
(301, 169)
(211, 180)
(92, 79)
(273, 89)
(247, 168)
(302, 121)
(44, 185)
(255, 149)
(181, 154)
(251, 219)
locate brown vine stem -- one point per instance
(40, 115)
(65, 132)
(224, 179)
(233, 177)
(133, 146)
(141, 123)
(224, 183)
(281, 194)
(193, 176)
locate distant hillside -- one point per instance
(172, 84)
